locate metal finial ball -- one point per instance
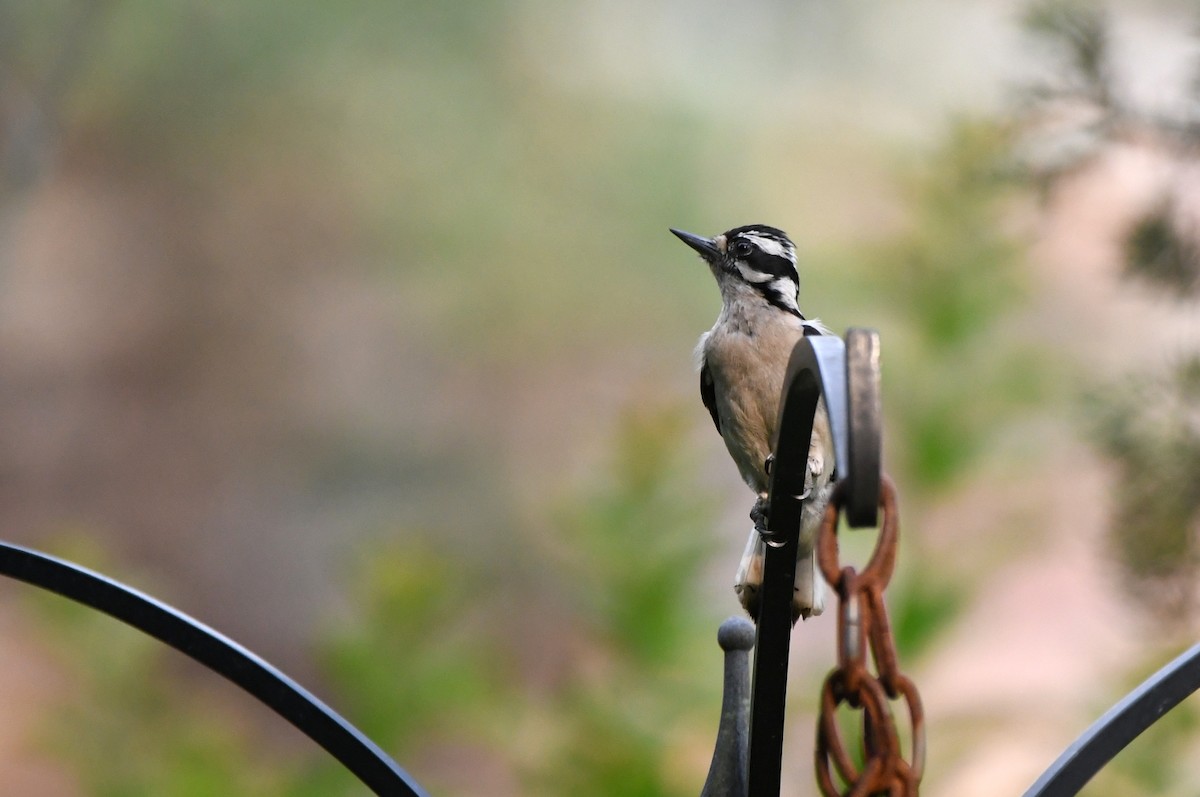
(736, 633)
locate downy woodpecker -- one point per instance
(742, 362)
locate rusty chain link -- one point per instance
(862, 626)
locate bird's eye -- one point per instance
(742, 249)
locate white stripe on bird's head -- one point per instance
(770, 244)
(751, 274)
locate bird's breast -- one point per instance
(748, 371)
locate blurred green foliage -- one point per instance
(956, 270)
(403, 595)
(635, 547)
(944, 287)
(431, 651)
(922, 606)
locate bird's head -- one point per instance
(751, 261)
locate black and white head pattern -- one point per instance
(765, 258)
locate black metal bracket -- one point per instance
(221, 655)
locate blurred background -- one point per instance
(355, 330)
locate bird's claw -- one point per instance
(758, 513)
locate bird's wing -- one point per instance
(708, 394)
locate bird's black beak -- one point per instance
(707, 247)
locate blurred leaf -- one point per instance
(921, 607)
(1150, 426)
(603, 753)
(414, 657)
(1158, 251)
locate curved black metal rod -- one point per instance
(221, 655)
(1119, 726)
(847, 375)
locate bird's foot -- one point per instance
(758, 513)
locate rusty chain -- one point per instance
(862, 626)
